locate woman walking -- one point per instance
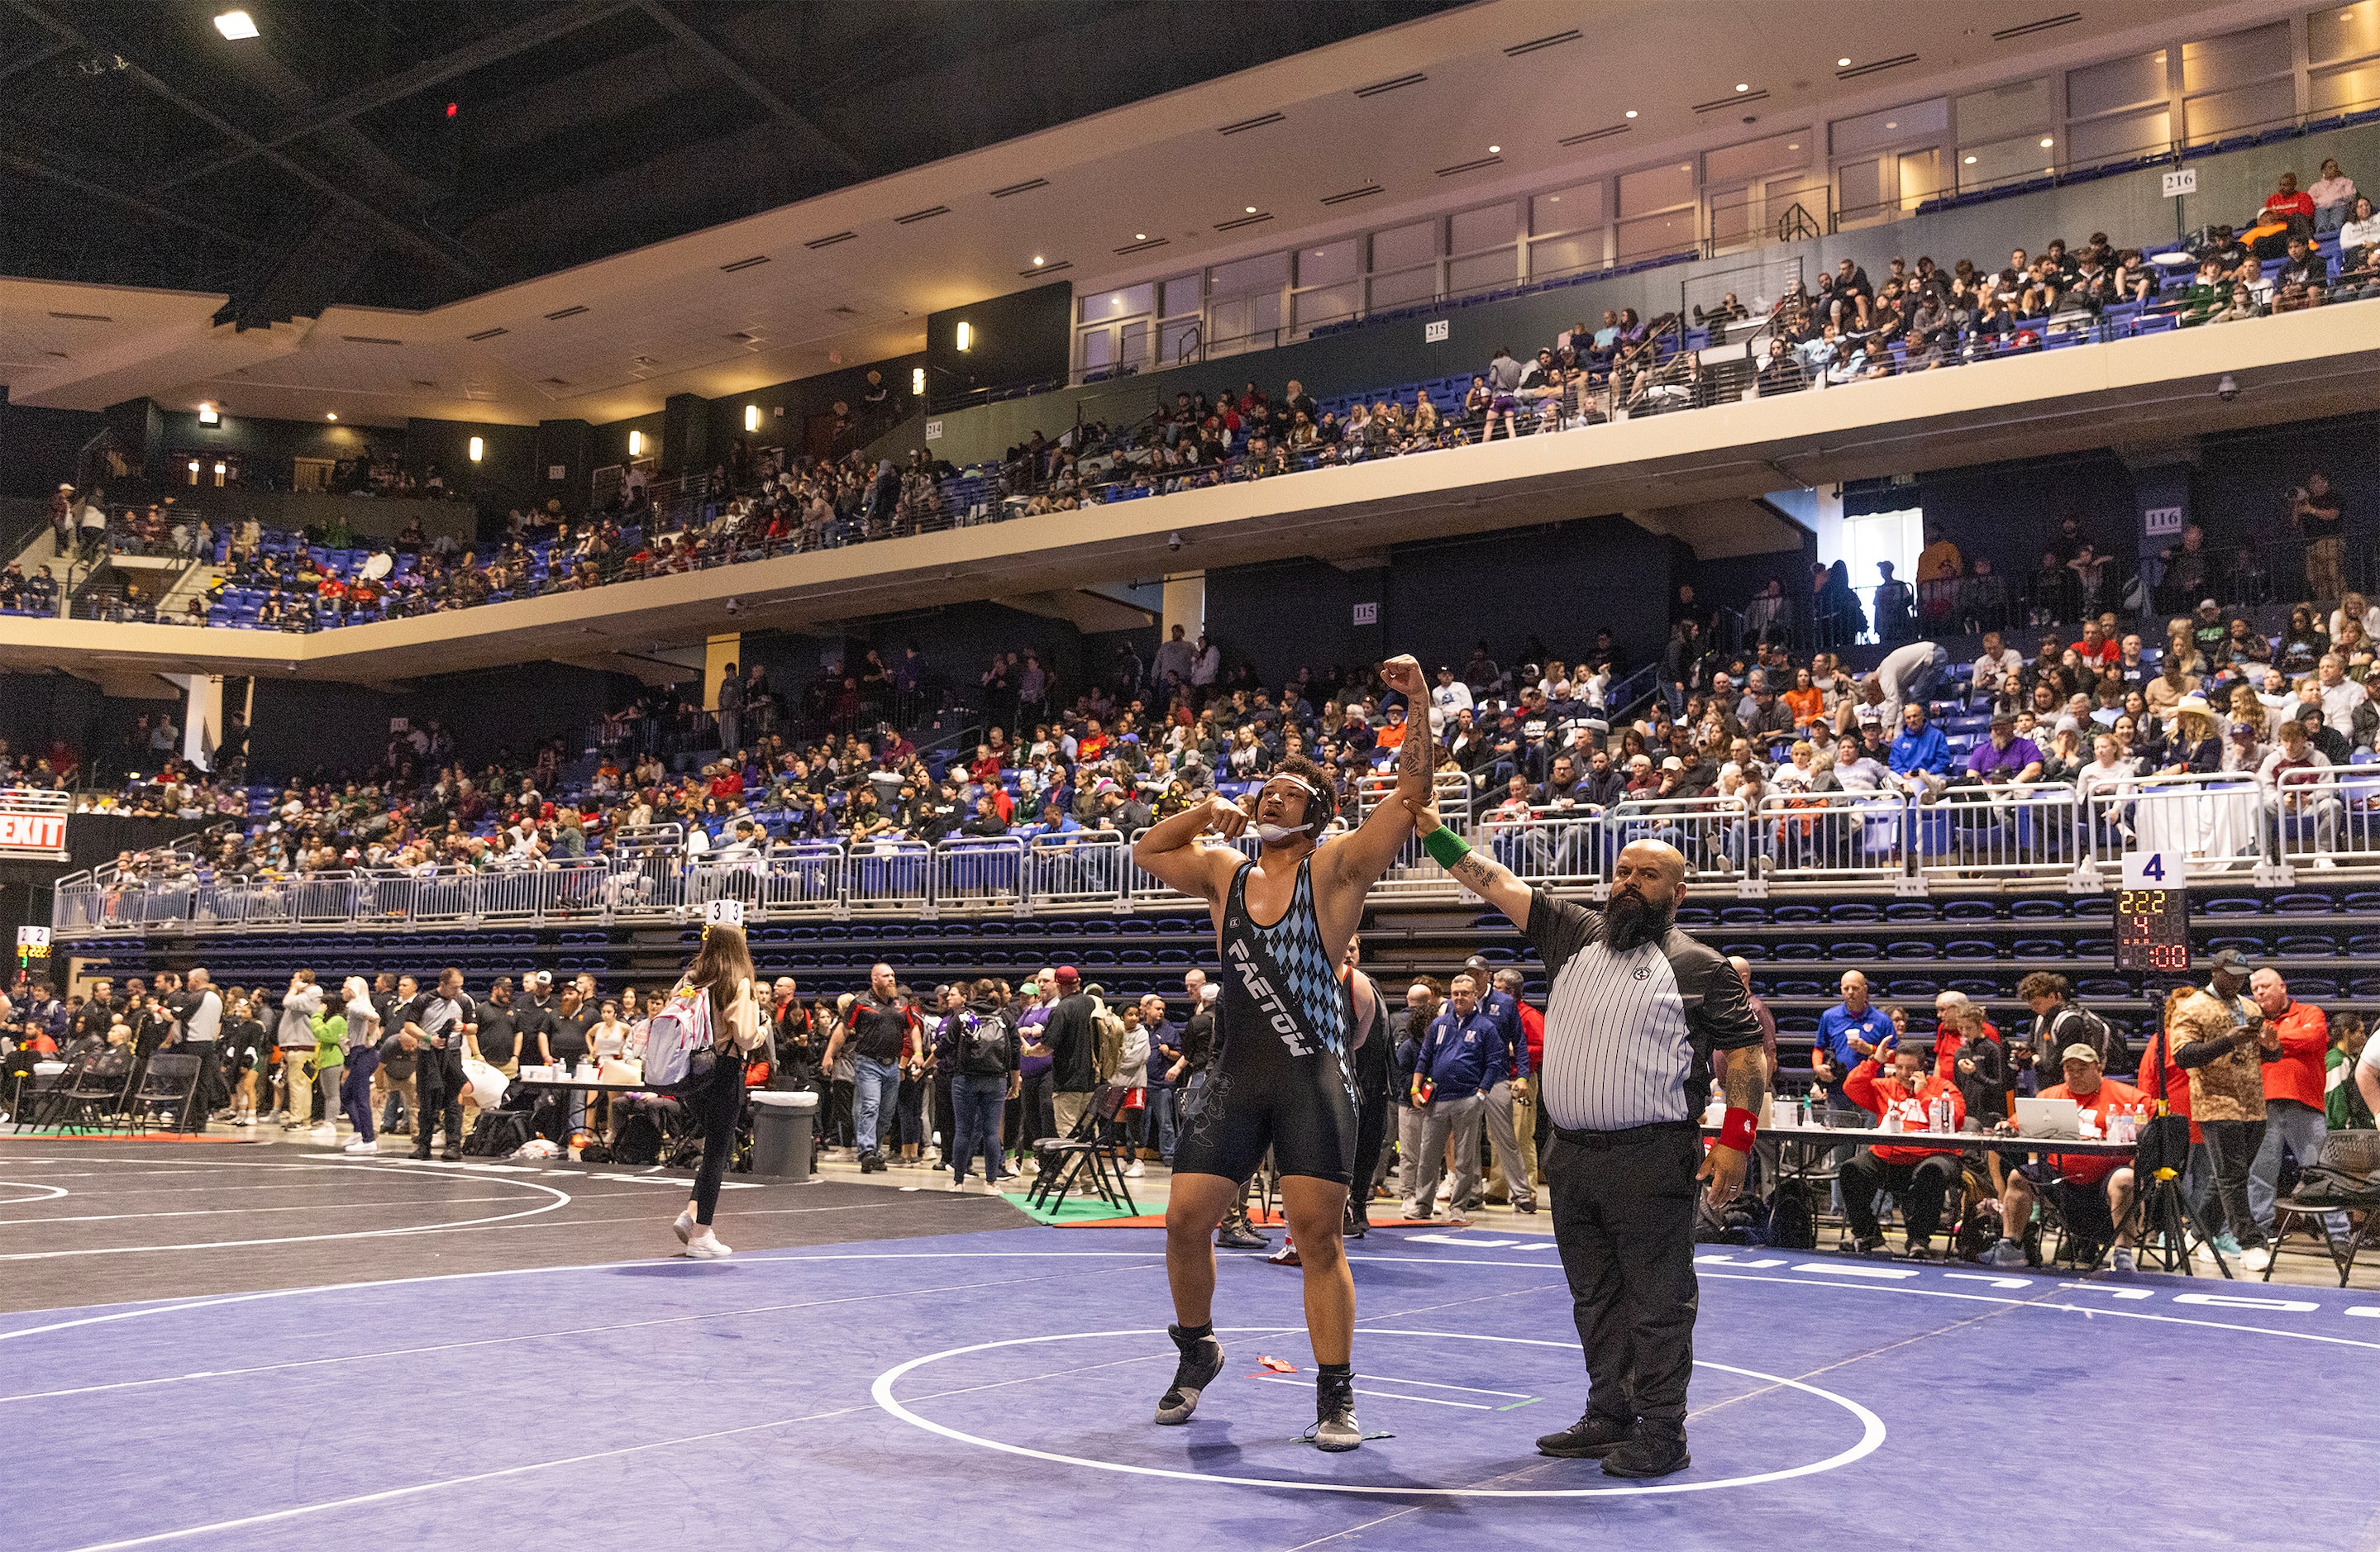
(714, 1099)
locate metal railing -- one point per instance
(2225, 826)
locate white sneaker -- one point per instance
(684, 1226)
(326, 1135)
(706, 1246)
(2255, 1258)
(2123, 1260)
(1135, 1170)
(361, 1145)
(958, 1184)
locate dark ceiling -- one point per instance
(317, 163)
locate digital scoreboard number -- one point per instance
(2153, 916)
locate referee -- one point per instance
(1636, 1009)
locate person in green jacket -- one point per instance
(2343, 1107)
(329, 1067)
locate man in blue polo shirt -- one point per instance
(1920, 755)
(1460, 1056)
(1848, 1034)
(1511, 1184)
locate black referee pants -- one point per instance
(1624, 1218)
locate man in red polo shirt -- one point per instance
(2093, 1191)
(1919, 1178)
(2290, 203)
(2293, 1091)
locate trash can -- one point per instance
(781, 1124)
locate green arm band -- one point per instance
(1445, 847)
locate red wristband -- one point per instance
(1736, 1130)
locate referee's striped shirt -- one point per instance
(1629, 1035)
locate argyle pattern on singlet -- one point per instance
(1295, 944)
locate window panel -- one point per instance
(1566, 210)
(2357, 86)
(1777, 154)
(1861, 188)
(2249, 107)
(2018, 156)
(1484, 272)
(1182, 294)
(1911, 121)
(1328, 304)
(2339, 33)
(2235, 58)
(1653, 188)
(1673, 233)
(1560, 256)
(1097, 349)
(1178, 341)
(1265, 272)
(1403, 287)
(2117, 83)
(1330, 263)
(2104, 140)
(1472, 230)
(2005, 110)
(1109, 305)
(1401, 246)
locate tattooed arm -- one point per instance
(1477, 872)
(1418, 758)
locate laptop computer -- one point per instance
(2048, 1118)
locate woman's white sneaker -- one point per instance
(684, 1226)
(705, 1245)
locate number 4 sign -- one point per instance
(2149, 870)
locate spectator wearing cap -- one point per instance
(1071, 1034)
(1919, 1178)
(1448, 701)
(2006, 756)
(2294, 1097)
(2223, 1039)
(2093, 1191)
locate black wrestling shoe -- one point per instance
(1237, 1235)
(1589, 1439)
(1649, 1452)
(1335, 1427)
(420, 1153)
(1201, 1361)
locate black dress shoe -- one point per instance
(1589, 1439)
(453, 1156)
(1649, 1452)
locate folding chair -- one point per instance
(2348, 1155)
(1091, 1146)
(43, 1094)
(94, 1092)
(166, 1087)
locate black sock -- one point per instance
(1189, 1336)
(1338, 1376)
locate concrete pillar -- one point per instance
(1186, 605)
(203, 716)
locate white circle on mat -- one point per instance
(40, 1193)
(1871, 1430)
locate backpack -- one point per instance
(980, 1041)
(638, 1141)
(678, 1042)
(1790, 1226)
(496, 1135)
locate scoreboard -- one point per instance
(2153, 916)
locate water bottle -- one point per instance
(1940, 1121)
(1804, 1122)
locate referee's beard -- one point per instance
(1631, 921)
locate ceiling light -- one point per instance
(194, 466)
(1632, 113)
(1971, 160)
(635, 444)
(1038, 260)
(478, 447)
(2046, 141)
(219, 466)
(1494, 151)
(918, 382)
(236, 24)
(1743, 86)
(333, 415)
(1795, 146)
(1842, 63)
(1140, 236)
(751, 418)
(1892, 124)
(1251, 209)
(209, 415)
(965, 337)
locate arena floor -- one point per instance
(264, 1346)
